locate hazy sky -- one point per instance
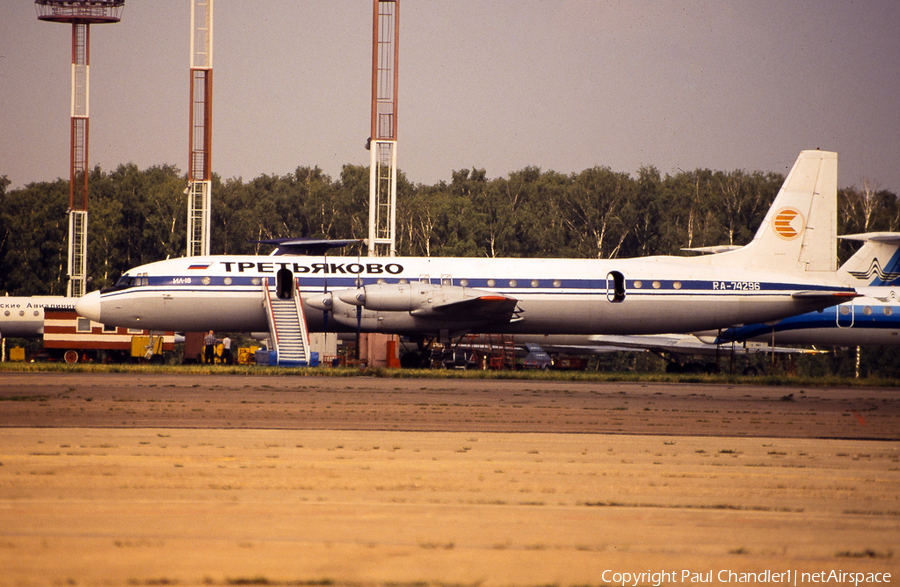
(499, 84)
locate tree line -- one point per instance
(139, 216)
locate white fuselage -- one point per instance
(23, 317)
(553, 296)
(870, 320)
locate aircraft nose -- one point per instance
(89, 306)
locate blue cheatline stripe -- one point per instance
(826, 319)
(692, 287)
(520, 292)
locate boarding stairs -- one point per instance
(287, 327)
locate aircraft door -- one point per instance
(284, 284)
(846, 315)
(615, 287)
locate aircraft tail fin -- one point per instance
(799, 233)
(876, 263)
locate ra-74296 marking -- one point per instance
(737, 285)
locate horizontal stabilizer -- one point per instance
(843, 295)
(713, 249)
(876, 237)
(306, 246)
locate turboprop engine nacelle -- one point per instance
(321, 301)
(408, 297)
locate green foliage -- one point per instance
(139, 216)
(33, 232)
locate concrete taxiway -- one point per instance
(146, 479)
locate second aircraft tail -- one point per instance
(876, 263)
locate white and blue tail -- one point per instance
(799, 233)
(876, 263)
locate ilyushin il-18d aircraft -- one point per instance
(789, 268)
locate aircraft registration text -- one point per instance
(737, 285)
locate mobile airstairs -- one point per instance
(288, 333)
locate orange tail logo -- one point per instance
(788, 223)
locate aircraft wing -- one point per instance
(649, 342)
(450, 303)
(685, 344)
(486, 307)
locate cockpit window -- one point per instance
(124, 282)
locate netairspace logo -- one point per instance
(789, 577)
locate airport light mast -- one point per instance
(199, 189)
(81, 14)
(383, 140)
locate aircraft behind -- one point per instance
(789, 268)
(23, 317)
(873, 318)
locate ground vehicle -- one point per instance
(72, 338)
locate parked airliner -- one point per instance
(789, 268)
(23, 317)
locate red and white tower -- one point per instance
(200, 165)
(383, 140)
(81, 14)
